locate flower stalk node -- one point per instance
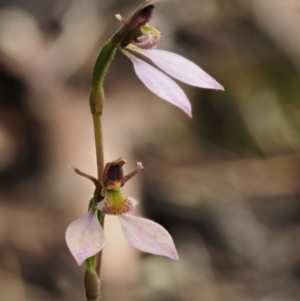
(92, 284)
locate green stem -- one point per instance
(92, 285)
(101, 217)
(92, 275)
(99, 145)
(105, 56)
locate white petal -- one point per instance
(181, 68)
(161, 84)
(85, 237)
(148, 236)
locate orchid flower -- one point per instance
(85, 236)
(142, 40)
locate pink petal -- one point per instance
(181, 68)
(161, 84)
(148, 236)
(85, 237)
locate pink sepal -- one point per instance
(161, 85)
(181, 68)
(85, 237)
(148, 236)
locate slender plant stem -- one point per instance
(100, 166)
(98, 144)
(92, 277)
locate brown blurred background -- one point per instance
(225, 184)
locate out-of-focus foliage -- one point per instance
(225, 184)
